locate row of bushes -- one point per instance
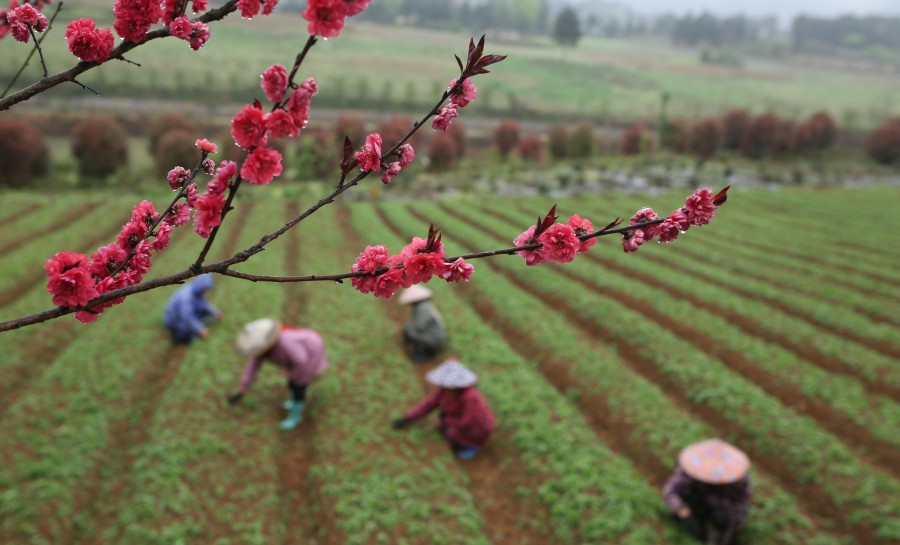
(100, 143)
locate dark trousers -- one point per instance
(703, 515)
(418, 351)
(298, 391)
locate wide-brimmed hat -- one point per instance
(257, 337)
(414, 294)
(452, 374)
(714, 461)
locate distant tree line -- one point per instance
(819, 35)
(708, 29)
(526, 16)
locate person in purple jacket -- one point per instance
(709, 494)
(299, 351)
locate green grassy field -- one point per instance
(773, 327)
(601, 78)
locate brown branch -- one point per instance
(31, 54)
(75, 71)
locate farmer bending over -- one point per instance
(465, 418)
(297, 350)
(187, 311)
(709, 494)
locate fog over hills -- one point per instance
(785, 10)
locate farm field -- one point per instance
(774, 327)
(601, 78)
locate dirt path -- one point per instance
(297, 453)
(810, 495)
(493, 482)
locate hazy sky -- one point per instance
(785, 9)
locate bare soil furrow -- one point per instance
(61, 222)
(492, 483)
(297, 453)
(21, 213)
(810, 494)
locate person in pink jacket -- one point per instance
(297, 350)
(465, 419)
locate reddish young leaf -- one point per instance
(545, 224)
(349, 160)
(721, 197)
(610, 225)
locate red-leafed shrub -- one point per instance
(816, 133)
(100, 145)
(734, 125)
(764, 136)
(883, 144)
(558, 141)
(395, 128)
(458, 131)
(636, 140)
(23, 153)
(352, 126)
(677, 136)
(165, 123)
(581, 142)
(706, 137)
(176, 148)
(443, 151)
(531, 148)
(506, 136)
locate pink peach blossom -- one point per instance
(442, 120)
(261, 166)
(560, 243)
(181, 28)
(419, 268)
(532, 257)
(369, 157)
(700, 207)
(631, 240)
(105, 260)
(280, 123)
(275, 82)
(388, 283)
(206, 146)
(248, 128)
(392, 170)
(407, 154)
(464, 95)
(326, 17)
(646, 214)
(249, 8)
(69, 279)
(177, 177)
(199, 35)
(456, 271)
(208, 213)
(582, 226)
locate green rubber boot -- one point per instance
(294, 417)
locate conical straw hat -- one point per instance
(452, 374)
(714, 462)
(257, 337)
(414, 294)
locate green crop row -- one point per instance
(56, 433)
(592, 494)
(653, 426)
(878, 414)
(870, 364)
(39, 219)
(767, 427)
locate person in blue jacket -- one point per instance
(188, 311)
